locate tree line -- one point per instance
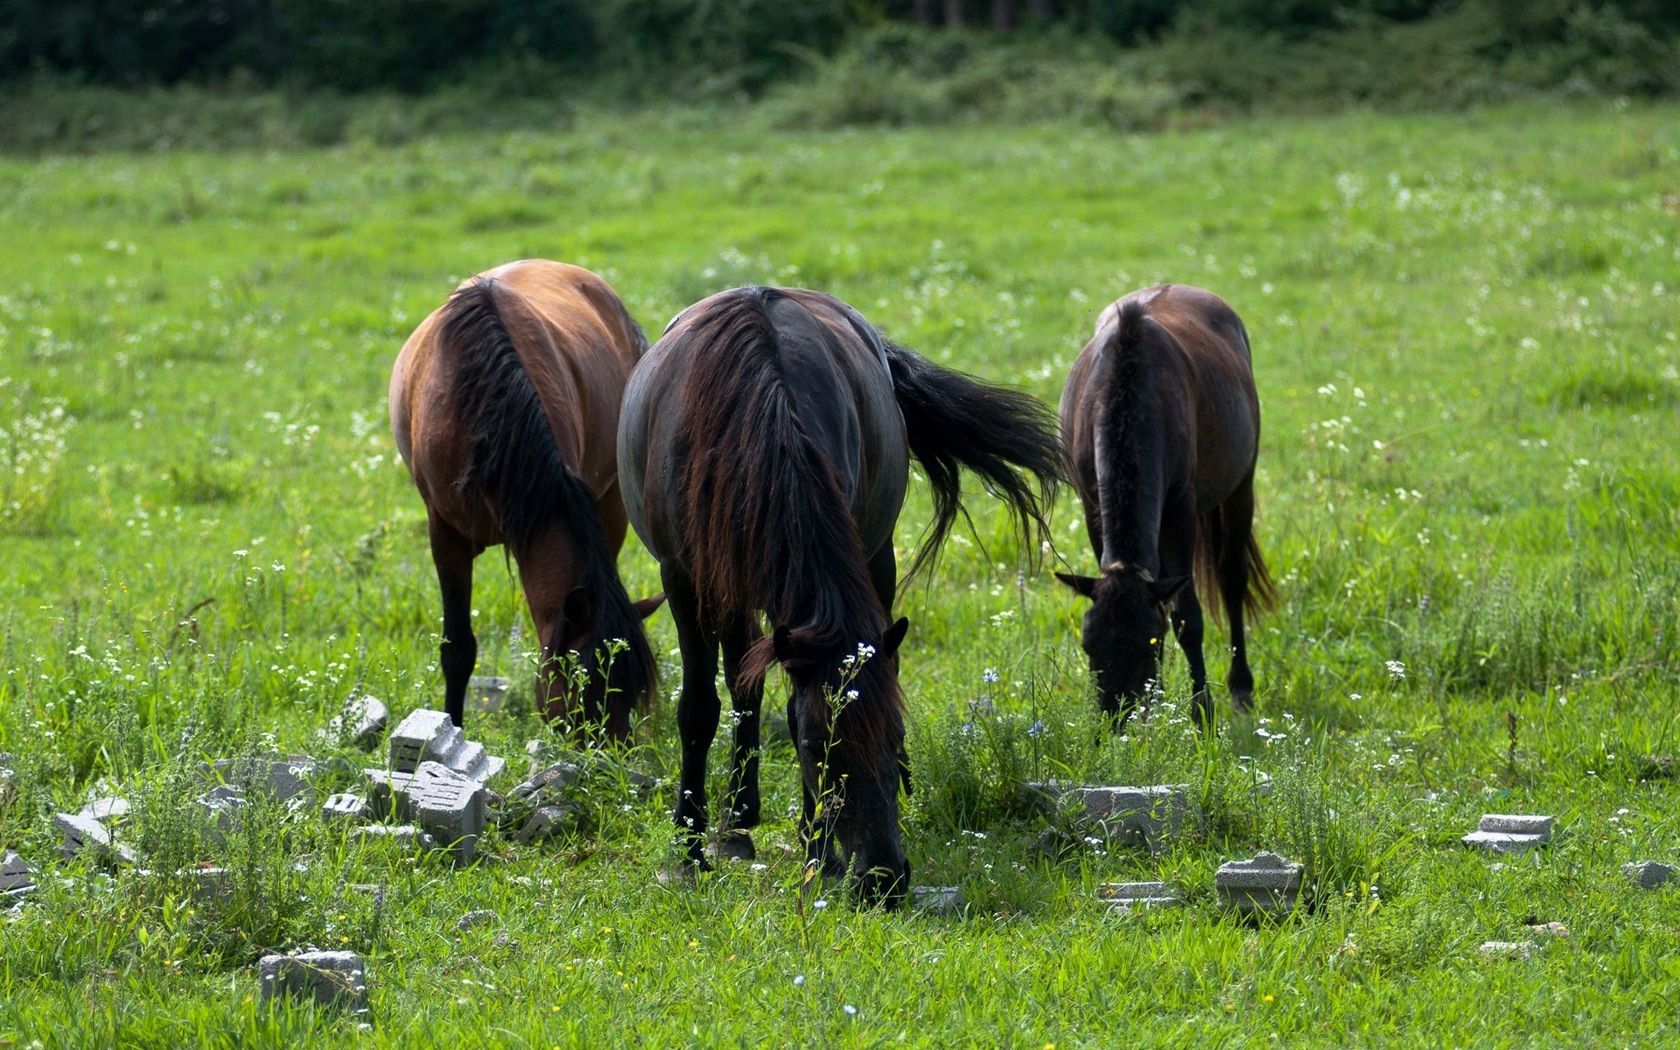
(661, 45)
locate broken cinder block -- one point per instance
(324, 977)
(1127, 896)
(938, 900)
(361, 722)
(1647, 874)
(16, 876)
(427, 735)
(347, 806)
(1510, 833)
(1266, 884)
(84, 833)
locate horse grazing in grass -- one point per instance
(1161, 426)
(764, 450)
(504, 403)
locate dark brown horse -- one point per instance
(764, 450)
(504, 403)
(1161, 426)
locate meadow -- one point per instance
(1467, 345)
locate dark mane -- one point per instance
(1122, 436)
(765, 522)
(514, 458)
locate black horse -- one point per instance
(1161, 426)
(763, 452)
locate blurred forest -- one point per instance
(654, 46)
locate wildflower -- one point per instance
(851, 694)
(851, 1011)
(799, 980)
(1396, 669)
(989, 675)
(1036, 729)
(820, 903)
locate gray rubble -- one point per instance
(324, 977)
(1266, 884)
(83, 834)
(221, 806)
(450, 807)
(17, 878)
(1510, 833)
(480, 917)
(285, 777)
(347, 806)
(429, 736)
(1121, 814)
(938, 900)
(402, 834)
(1647, 874)
(107, 810)
(204, 884)
(546, 822)
(362, 722)
(1507, 949)
(1127, 896)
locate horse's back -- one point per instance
(576, 344)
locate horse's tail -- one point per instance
(514, 459)
(765, 522)
(1225, 548)
(1006, 437)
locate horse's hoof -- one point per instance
(736, 845)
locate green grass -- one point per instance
(1465, 334)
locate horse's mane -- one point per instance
(765, 523)
(514, 458)
(1121, 416)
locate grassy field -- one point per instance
(1465, 334)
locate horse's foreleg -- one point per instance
(1186, 619)
(452, 556)
(1238, 513)
(697, 708)
(748, 702)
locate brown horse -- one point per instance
(764, 450)
(504, 403)
(1161, 426)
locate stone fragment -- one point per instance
(1648, 874)
(1510, 833)
(938, 900)
(477, 918)
(285, 777)
(347, 806)
(1135, 815)
(450, 807)
(323, 977)
(222, 804)
(429, 736)
(544, 822)
(1266, 884)
(402, 834)
(1507, 949)
(84, 833)
(107, 810)
(1126, 896)
(16, 876)
(361, 722)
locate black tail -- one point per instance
(1007, 438)
(1218, 545)
(514, 458)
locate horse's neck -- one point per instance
(1131, 468)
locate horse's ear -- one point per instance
(648, 606)
(579, 610)
(894, 637)
(1085, 586)
(1166, 590)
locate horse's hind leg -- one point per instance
(747, 702)
(1238, 513)
(697, 707)
(452, 555)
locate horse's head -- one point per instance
(1125, 630)
(849, 729)
(597, 666)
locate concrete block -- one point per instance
(1266, 884)
(450, 807)
(222, 804)
(84, 833)
(1648, 874)
(1135, 815)
(388, 793)
(544, 822)
(1516, 824)
(362, 722)
(402, 834)
(16, 877)
(938, 900)
(338, 978)
(429, 736)
(1507, 949)
(1127, 896)
(285, 777)
(107, 811)
(347, 806)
